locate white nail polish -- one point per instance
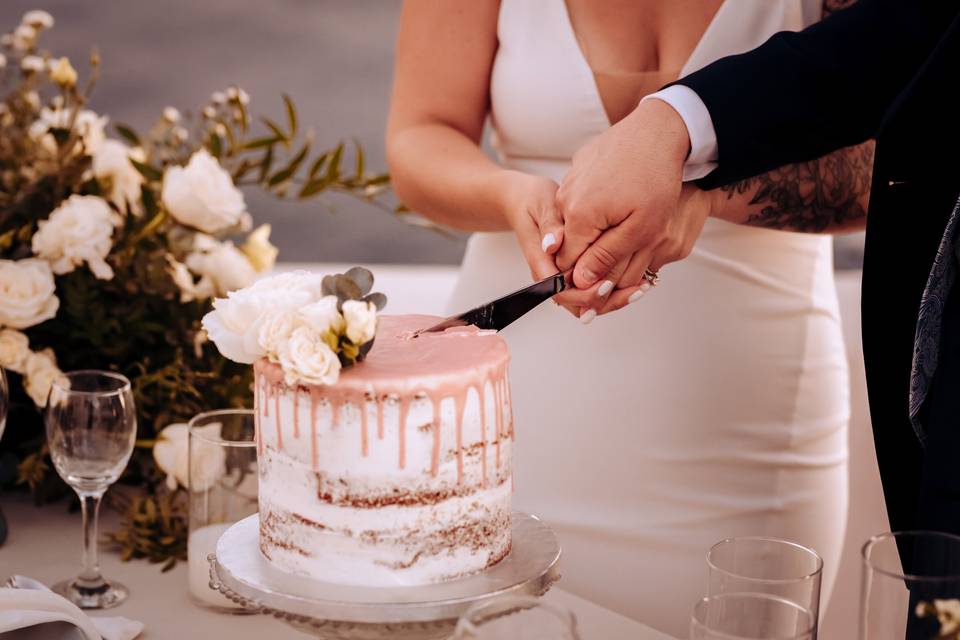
(636, 295)
(645, 286)
(605, 288)
(548, 241)
(587, 316)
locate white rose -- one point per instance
(171, 452)
(361, 320)
(27, 293)
(39, 374)
(111, 165)
(14, 350)
(202, 194)
(38, 19)
(262, 254)
(77, 231)
(306, 358)
(190, 290)
(275, 329)
(234, 323)
(323, 315)
(226, 266)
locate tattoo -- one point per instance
(832, 6)
(814, 196)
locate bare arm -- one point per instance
(826, 195)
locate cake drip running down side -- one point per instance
(398, 474)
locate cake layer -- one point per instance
(398, 474)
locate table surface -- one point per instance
(44, 543)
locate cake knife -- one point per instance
(499, 313)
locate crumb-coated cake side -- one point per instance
(398, 474)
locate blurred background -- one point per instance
(334, 58)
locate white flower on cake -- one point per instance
(111, 165)
(306, 358)
(39, 373)
(259, 251)
(14, 350)
(361, 318)
(202, 195)
(225, 265)
(172, 454)
(310, 326)
(27, 293)
(77, 231)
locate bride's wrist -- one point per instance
(512, 189)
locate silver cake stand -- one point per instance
(339, 612)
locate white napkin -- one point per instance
(29, 603)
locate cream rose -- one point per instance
(171, 452)
(112, 167)
(323, 315)
(77, 231)
(361, 318)
(276, 327)
(202, 195)
(14, 350)
(259, 251)
(306, 358)
(39, 374)
(26, 293)
(225, 265)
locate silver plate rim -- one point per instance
(269, 587)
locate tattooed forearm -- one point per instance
(827, 194)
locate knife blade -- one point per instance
(501, 312)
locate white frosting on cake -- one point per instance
(358, 484)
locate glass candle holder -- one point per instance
(516, 618)
(911, 587)
(222, 475)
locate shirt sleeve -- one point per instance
(703, 138)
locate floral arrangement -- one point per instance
(311, 325)
(947, 613)
(112, 249)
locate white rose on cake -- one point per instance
(111, 164)
(276, 327)
(225, 265)
(39, 374)
(306, 358)
(26, 293)
(361, 318)
(77, 231)
(14, 350)
(323, 315)
(202, 195)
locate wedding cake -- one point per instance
(395, 470)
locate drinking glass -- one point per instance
(750, 616)
(911, 586)
(4, 401)
(222, 473)
(516, 618)
(91, 429)
(767, 565)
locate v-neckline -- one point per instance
(585, 64)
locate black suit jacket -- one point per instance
(884, 69)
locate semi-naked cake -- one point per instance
(397, 474)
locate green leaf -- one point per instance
(362, 278)
(128, 134)
(376, 181)
(260, 143)
(313, 187)
(147, 171)
(291, 115)
(149, 201)
(358, 167)
(346, 289)
(378, 299)
(216, 145)
(265, 164)
(318, 165)
(328, 285)
(277, 131)
(333, 169)
(287, 172)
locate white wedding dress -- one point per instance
(716, 406)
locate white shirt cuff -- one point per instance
(703, 138)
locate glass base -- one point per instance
(92, 595)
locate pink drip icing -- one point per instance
(256, 415)
(266, 398)
(482, 396)
(460, 400)
(506, 386)
(296, 413)
(335, 411)
(313, 427)
(379, 402)
(364, 438)
(435, 458)
(276, 418)
(402, 428)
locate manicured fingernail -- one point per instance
(589, 277)
(605, 288)
(636, 295)
(548, 241)
(645, 286)
(587, 316)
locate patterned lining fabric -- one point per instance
(926, 342)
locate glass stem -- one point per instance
(90, 505)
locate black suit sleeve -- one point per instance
(803, 94)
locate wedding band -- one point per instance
(653, 277)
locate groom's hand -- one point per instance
(619, 201)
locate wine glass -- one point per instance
(911, 586)
(750, 616)
(91, 429)
(516, 618)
